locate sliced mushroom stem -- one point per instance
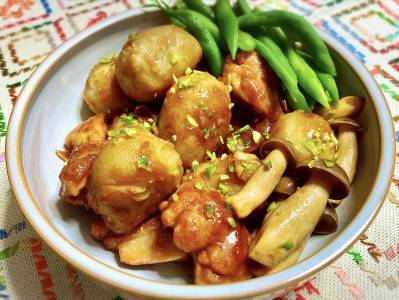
(291, 222)
(291, 260)
(260, 185)
(260, 270)
(347, 151)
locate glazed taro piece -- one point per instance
(194, 116)
(133, 172)
(102, 92)
(149, 59)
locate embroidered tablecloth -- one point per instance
(30, 30)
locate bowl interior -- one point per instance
(57, 108)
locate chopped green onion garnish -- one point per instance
(221, 140)
(231, 105)
(224, 189)
(174, 172)
(268, 164)
(232, 144)
(224, 177)
(207, 132)
(256, 136)
(129, 119)
(271, 206)
(209, 210)
(231, 167)
(188, 71)
(242, 130)
(143, 162)
(198, 185)
(211, 155)
(247, 142)
(287, 245)
(191, 121)
(209, 171)
(333, 138)
(248, 166)
(175, 197)
(147, 126)
(231, 128)
(107, 59)
(328, 163)
(232, 222)
(195, 166)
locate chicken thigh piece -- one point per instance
(204, 226)
(93, 130)
(75, 173)
(254, 84)
(132, 173)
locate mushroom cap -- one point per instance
(328, 222)
(285, 186)
(348, 123)
(335, 174)
(285, 147)
(348, 106)
(309, 135)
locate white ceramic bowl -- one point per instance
(50, 105)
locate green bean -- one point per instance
(182, 14)
(278, 62)
(178, 23)
(243, 7)
(309, 99)
(307, 78)
(180, 4)
(228, 25)
(246, 42)
(329, 84)
(207, 42)
(200, 7)
(305, 30)
(326, 80)
(278, 55)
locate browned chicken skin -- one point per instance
(254, 84)
(204, 226)
(74, 175)
(91, 131)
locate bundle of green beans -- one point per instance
(307, 77)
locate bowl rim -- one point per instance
(154, 288)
